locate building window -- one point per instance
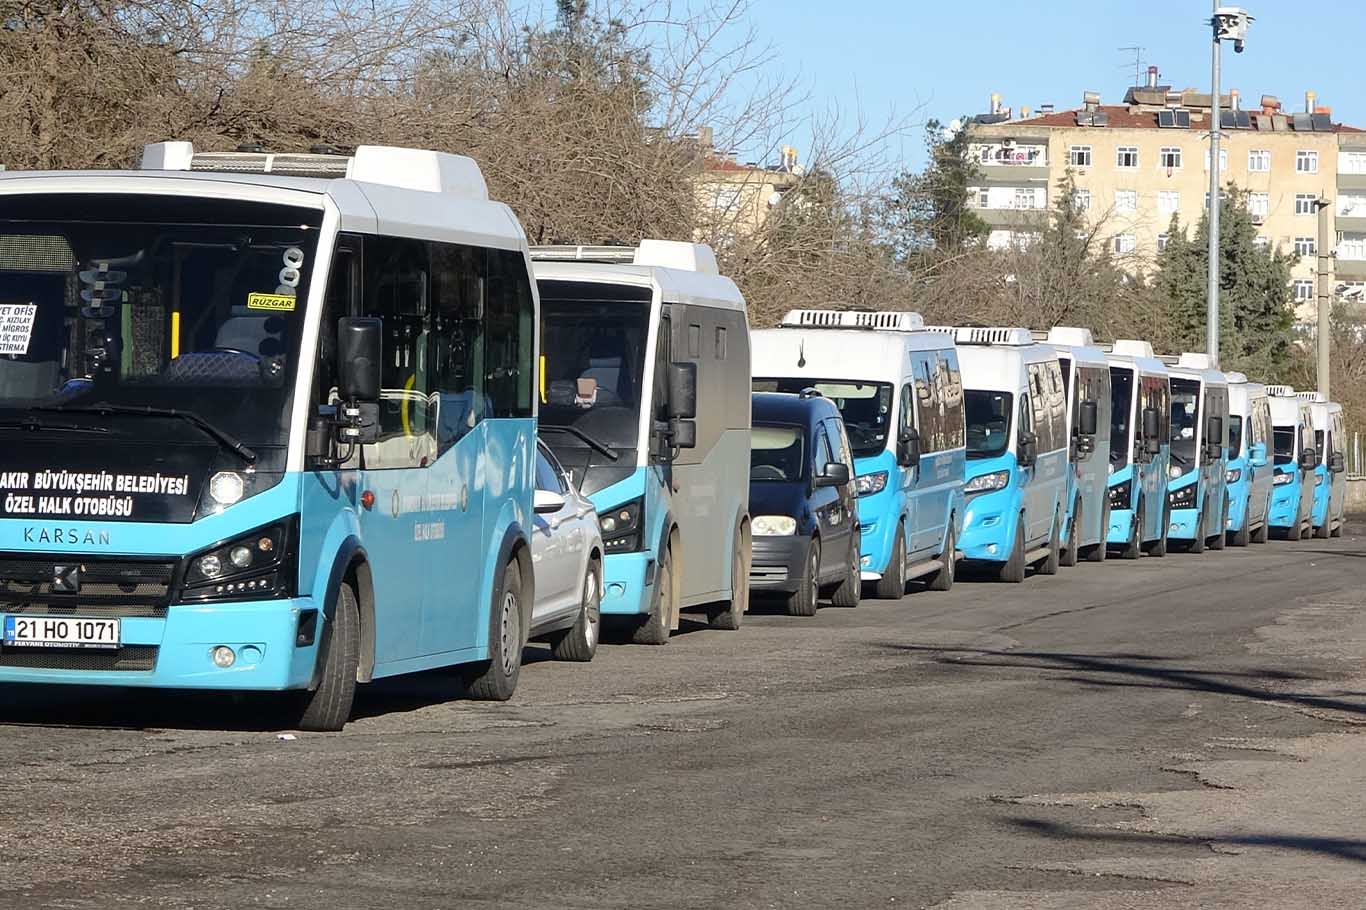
(1162, 243)
(1081, 200)
(1025, 198)
(1258, 160)
(1352, 205)
(1125, 243)
(1304, 246)
(1222, 198)
(983, 199)
(1304, 289)
(1168, 202)
(1126, 200)
(1126, 156)
(1304, 203)
(1079, 156)
(1352, 246)
(1261, 242)
(1258, 204)
(1223, 160)
(1306, 162)
(1352, 162)
(1169, 157)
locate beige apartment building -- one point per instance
(734, 199)
(1139, 163)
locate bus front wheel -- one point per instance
(654, 627)
(328, 707)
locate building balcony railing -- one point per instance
(1013, 174)
(1013, 217)
(1349, 269)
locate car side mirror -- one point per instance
(1027, 451)
(682, 391)
(1336, 463)
(683, 433)
(1087, 418)
(546, 502)
(908, 448)
(359, 357)
(834, 474)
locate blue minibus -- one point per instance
(1292, 493)
(1249, 454)
(900, 392)
(645, 400)
(1086, 378)
(1197, 490)
(1017, 449)
(1330, 479)
(1140, 449)
(265, 431)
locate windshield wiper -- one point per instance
(1180, 457)
(221, 436)
(33, 423)
(592, 441)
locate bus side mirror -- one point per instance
(1258, 455)
(908, 448)
(1309, 459)
(683, 434)
(1088, 418)
(1214, 431)
(1152, 431)
(1336, 463)
(1028, 450)
(682, 391)
(359, 357)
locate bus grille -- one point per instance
(128, 658)
(107, 587)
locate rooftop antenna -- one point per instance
(1139, 62)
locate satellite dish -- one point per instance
(955, 125)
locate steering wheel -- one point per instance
(237, 351)
(766, 472)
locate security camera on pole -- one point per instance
(1230, 24)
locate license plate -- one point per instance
(61, 632)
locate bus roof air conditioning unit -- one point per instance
(1070, 335)
(1315, 397)
(1234, 378)
(1196, 361)
(1281, 391)
(1016, 337)
(1132, 347)
(666, 254)
(886, 320)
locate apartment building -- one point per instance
(1138, 163)
(734, 199)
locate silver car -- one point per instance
(566, 551)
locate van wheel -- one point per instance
(1260, 535)
(580, 643)
(727, 616)
(655, 627)
(327, 708)
(1322, 531)
(1133, 547)
(850, 590)
(804, 600)
(1337, 531)
(1197, 543)
(1293, 532)
(1012, 571)
(1241, 537)
(1049, 564)
(892, 584)
(1069, 553)
(1098, 552)
(496, 678)
(943, 579)
(1219, 539)
(1163, 545)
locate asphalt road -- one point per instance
(1162, 733)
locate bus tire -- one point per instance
(1197, 543)
(1012, 571)
(1133, 547)
(1259, 535)
(806, 598)
(1337, 530)
(328, 707)
(1219, 539)
(942, 580)
(850, 590)
(496, 678)
(727, 616)
(1241, 537)
(655, 627)
(1098, 552)
(1322, 531)
(1049, 564)
(1070, 554)
(892, 584)
(580, 642)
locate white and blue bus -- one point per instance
(900, 392)
(1197, 491)
(1330, 479)
(1017, 445)
(1292, 492)
(645, 400)
(1086, 378)
(265, 431)
(1140, 449)
(1249, 457)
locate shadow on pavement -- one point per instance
(1139, 671)
(1336, 847)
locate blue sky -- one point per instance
(950, 56)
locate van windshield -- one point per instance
(1235, 435)
(1185, 420)
(1121, 399)
(1284, 443)
(775, 454)
(988, 420)
(865, 406)
(154, 302)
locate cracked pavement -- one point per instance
(1178, 732)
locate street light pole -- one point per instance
(1212, 311)
(1324, 291)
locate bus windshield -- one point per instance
(865, 406)
(1185, 420)
(1121, 400)
(1284, 444)
(110, 303)
(1235, 436)
(988, 420)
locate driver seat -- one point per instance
(240, 346)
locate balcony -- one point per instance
(1351, 182)
(1349, 269)
(1351, 224)
(1016, 174)
(1013, 218)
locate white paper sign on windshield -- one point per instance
(16, 327)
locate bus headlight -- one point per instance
(868, 484)
(227, 487)
(1282, 479)
(621, 526)
(987, 483)
(1183, 498)
(774, 525)
(252, 566)
(1175, 471)
(1233, 475)
(1121, 494)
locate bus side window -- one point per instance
(396, 289)
(342, 299)
(510, 336)
(457, 340)
(955, 428)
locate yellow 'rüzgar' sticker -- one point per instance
(276, 302)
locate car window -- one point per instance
(775, 454)
(841, 442)
(547, 476)
(824, 453)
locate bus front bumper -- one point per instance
(628, 580)
(1285, 506)
(1121, 526)
(1184, 524)
(989, 526)
(177, 652)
